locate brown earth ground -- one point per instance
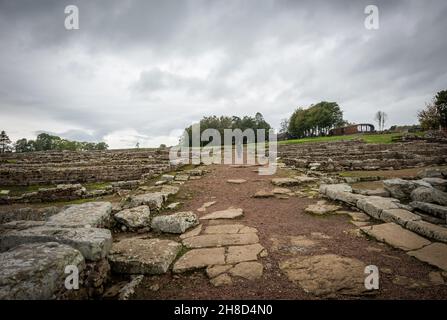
(279, 218)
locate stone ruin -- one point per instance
(61, 175)
(35, 250)
(37, 243)
(357, 155)
(71, 167)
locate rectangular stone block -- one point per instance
(428, 230)
(217, 240)
(399, 216)
(37, 271)
(395, 236)
(434, 254)
(93, 243)
(375, 205)
(90, 214)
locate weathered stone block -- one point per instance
(90, 214)
(154, 200)
(93, 243)
(134, 218)
(143, 256)
(395, 236)
(399, 216)
(375, 205)
(37, 270)
(175, 223)
(428, 230)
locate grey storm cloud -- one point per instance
(140, 71)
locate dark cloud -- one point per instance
(140, 70)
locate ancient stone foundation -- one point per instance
(357, 155)
(69, 167)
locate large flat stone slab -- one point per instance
(143, 256)
(249, 252)
(326, 275)
(399, 216)
(248, 270)
(218, 240)
(223, 228)
(175, 223)
(229, 213)
(90, 214)
(199, 258)
(396, 236)
(428, 230)
(340, 192)
(93, 243)
(37, 270)
(434, 254)
(331, 190)
(375, 205)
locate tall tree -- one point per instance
(381, 118)
(223, 122)
(316, 120)
(45, 142)
(429, 118)
(5, 142)
(441, 106)
(23, 145)
(284, 125)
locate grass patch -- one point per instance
(77, 201)
(368, 138)
(19, 190)
(96, 185)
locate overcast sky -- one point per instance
(141, 71)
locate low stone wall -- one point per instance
(68, 167)
(65, 192)
(385, 209)
(357, 155)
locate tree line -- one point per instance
(315, 120)
(46, 142)
(225, 122)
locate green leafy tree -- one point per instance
(434, 116)
(5, 142)
(46, 142)
(23, 145)
(101, 146)
(223, 122)
(441, 107)
(316, 120)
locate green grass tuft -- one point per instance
(368, 138)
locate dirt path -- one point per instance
(401, 276)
